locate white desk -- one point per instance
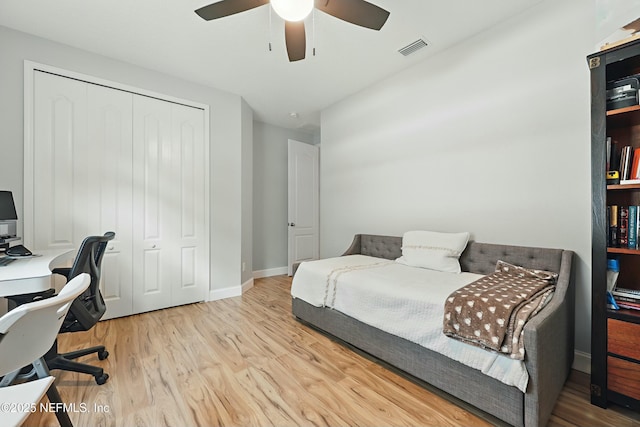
(33, 274)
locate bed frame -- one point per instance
(549, 336)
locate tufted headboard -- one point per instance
(478, 257)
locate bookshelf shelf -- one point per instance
(623, 187)
(623, 117)
(626, 315)
(623, 251)
(613, 331)
(625, 110)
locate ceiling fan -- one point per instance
(358, 12)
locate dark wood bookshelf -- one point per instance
(615, 363)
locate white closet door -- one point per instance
(104, 159)
(155, 199)
(60, 181)
(170, 238)
(109, 208)
(187, 222)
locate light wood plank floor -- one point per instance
(246, 361)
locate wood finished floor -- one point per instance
(246, 361)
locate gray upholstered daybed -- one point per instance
(548, 337)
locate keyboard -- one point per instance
(6, 261)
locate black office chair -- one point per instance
(86, 310)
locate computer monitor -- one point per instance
(8, 216)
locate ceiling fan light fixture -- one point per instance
(292, 10)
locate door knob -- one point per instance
(292, 224)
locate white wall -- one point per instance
(491, 136)
(270, 194)
(247, 194)
(226, 137)
(611, 16)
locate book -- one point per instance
(608, 159)
(630, 295)
(633, 227)
(628, 305)
(614, 160)
(623, 226)
(635, 165)
(626, 299)
(608, 227)
(625, 162)
(613, 226)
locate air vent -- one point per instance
(412, 47)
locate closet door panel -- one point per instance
(59, 156)
(152, 204)
(110, 204)
(189, 163)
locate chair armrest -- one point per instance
(63, 271)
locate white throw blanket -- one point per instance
(404, 301)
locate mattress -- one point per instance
(401, 300)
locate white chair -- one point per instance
(26, 333)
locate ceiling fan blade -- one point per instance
(296, 40)
(358, 12)
(223, 8)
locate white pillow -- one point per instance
(433, 250)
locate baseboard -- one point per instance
(230, 292)
(582, 361)
(247, 285)
(270, 272)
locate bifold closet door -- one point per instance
(105, 159)
(82, 175)
(190, 241)
(59, 160)
(110, 204)
(169, 234)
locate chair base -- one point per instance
(65, 361)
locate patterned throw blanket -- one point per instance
(492, 311)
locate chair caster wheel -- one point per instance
(102, 379)
(103, 355)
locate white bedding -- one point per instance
(404, 301)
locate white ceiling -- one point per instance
(232, 53)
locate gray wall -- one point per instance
(491, 136)
(270, 193)
(227, 140)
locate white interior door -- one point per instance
(189, 233)
(109, 208)
(60, 171)
(170, 205)
(82, 175)
(304, 207)
(152, 194)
